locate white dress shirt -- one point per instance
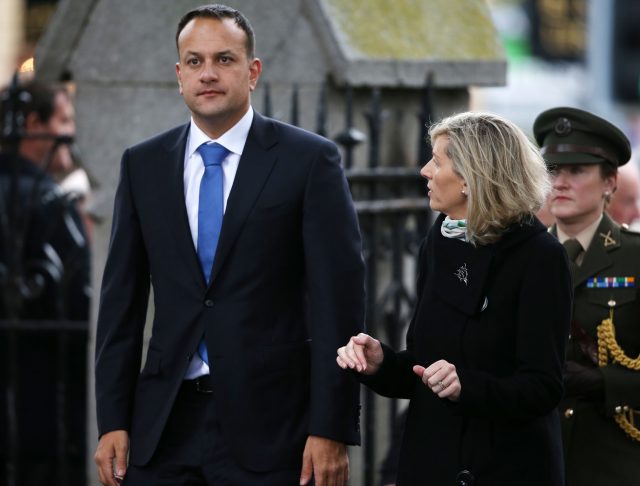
(233, 140)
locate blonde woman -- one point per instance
(485, 348)
(601, 407)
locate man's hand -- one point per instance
(112, 445)
(326, 460)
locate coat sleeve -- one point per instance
(121, 317)
(542, 326)
(335, 290)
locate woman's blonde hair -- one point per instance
(506, 176)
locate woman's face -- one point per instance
(578, 193)
(445, 185)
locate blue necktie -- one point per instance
(210, 212)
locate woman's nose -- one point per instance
(426, 170)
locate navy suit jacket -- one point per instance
(287, 290)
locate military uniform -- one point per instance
(599, 393)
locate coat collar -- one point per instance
(461, 270)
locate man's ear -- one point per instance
(255, 69)
(32, 122)
(178, 76)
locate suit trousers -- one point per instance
(192, 450)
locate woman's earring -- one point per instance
(463, 192)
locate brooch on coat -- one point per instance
(463, 274)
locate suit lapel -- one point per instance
(254, 168)
(175, 151)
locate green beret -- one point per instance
(572, 136)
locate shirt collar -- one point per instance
(233, 139)
(585, 236)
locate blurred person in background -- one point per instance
(602, 376)
(624, 207)
(47, 247)
(74, 182)
(485, 347)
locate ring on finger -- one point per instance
(442, 385)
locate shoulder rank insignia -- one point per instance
(608, 239)
(611, 282)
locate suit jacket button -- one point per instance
(465, 478)
(208, 303)
(568, 413)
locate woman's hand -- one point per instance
(441, 378)
(362, 353)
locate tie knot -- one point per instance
(212, 153)
(573, 247)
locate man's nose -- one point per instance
(209, 72)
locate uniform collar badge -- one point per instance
(608, 239)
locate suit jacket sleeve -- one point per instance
(335, 288)
(123, 306)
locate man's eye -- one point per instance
(225, 59)
(192, 61)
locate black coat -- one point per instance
(56, 249)
(287, 288)
(55, 245)
(505, 330)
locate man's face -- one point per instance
(214, 74)
(61, 122)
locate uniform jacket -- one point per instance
(287, 288)
(597, 451)
(500, 313)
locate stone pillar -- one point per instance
(11, 37)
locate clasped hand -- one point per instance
(364, 354)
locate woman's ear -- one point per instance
(611, 183)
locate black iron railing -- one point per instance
(394, 215)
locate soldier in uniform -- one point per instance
(601, 407)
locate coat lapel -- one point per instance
(254, 168)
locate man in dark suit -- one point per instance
(239, 384)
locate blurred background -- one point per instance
(435, 57)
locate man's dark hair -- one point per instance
(220, 12)
(40, 100)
